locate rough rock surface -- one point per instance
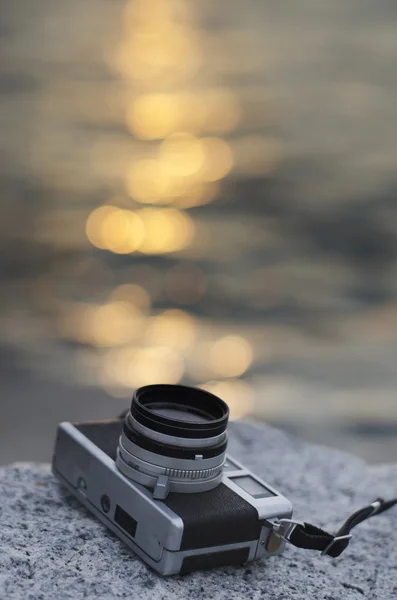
(50, 547)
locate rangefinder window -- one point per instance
(252, 487)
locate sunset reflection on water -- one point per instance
(171, 107)
(205, 193)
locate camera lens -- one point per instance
(174, 438)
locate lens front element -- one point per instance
(174, 439)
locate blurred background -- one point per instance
(199, 192)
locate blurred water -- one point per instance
(285, 280)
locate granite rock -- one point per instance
(50, 547)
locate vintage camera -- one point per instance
(160, 479)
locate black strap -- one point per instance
(313, 538)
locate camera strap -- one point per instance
(310, 537)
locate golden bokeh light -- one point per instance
(237, 394)
(111, 324)
(122, 232)
(151, 181)
(185, 284)
(230, 356)
(149, 230)
(143, 181)
(174, 328)
(158, 115)
(134, 367)
(218, 160)
(166, 230)
(183, 154)
(95, 222)
(154, 116)
(133, 294)
(111, 228)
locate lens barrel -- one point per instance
(174, 438)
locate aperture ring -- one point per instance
(200, 474)
(142, 466)
(165, 461)
(186, 486)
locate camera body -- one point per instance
(228, 524)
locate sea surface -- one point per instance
(201, 193)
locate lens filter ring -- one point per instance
(180, 411)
